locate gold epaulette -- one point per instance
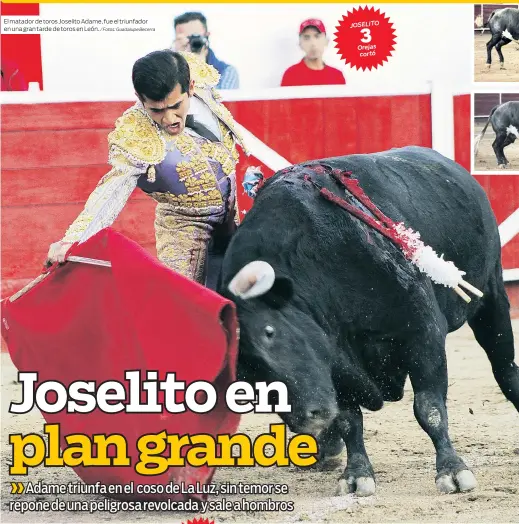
(204, 75)
(137, 138)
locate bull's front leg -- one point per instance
(490, 44)
(500, 44)
(358, 477)
(331, 448)
(428, 374)
(498, 146)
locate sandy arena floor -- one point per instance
(483, 426)
(486, 159)
(495, 74)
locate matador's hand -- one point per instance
(57, 252)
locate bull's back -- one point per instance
(300, 232)
(434, 196)
(506, 18)
(505, 115)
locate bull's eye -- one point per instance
(269, 331)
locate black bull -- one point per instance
(347, 317)
(500, 20)
(505, 123)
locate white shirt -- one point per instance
(204, 115)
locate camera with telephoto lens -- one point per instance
(197, 43)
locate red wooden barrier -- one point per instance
(307, 129)
(462, 117)
(47, 174)
(503, 192)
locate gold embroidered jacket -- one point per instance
(138, 149)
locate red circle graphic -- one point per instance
(365, 38)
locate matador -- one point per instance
(178, 144)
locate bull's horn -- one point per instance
(253, 280)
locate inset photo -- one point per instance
(496, 42)
(495, 129)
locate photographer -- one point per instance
(191, 35)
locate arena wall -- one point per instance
(484, 102)
(55, 152)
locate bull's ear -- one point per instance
(280, 293)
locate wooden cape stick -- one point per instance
(39, 278)
(92, 261)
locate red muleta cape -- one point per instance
(92, 323)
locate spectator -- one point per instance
(191, 35)
(312, 70)
(12, 77)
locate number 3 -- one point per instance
(367, 35)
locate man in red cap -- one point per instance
(312, 70)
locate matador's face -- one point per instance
(170, 113)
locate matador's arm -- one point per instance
(134, 146)
(105, 202)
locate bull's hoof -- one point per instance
(489, 66)
(502, 166)
(361, 486)
(501, 66)
(459, 482)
